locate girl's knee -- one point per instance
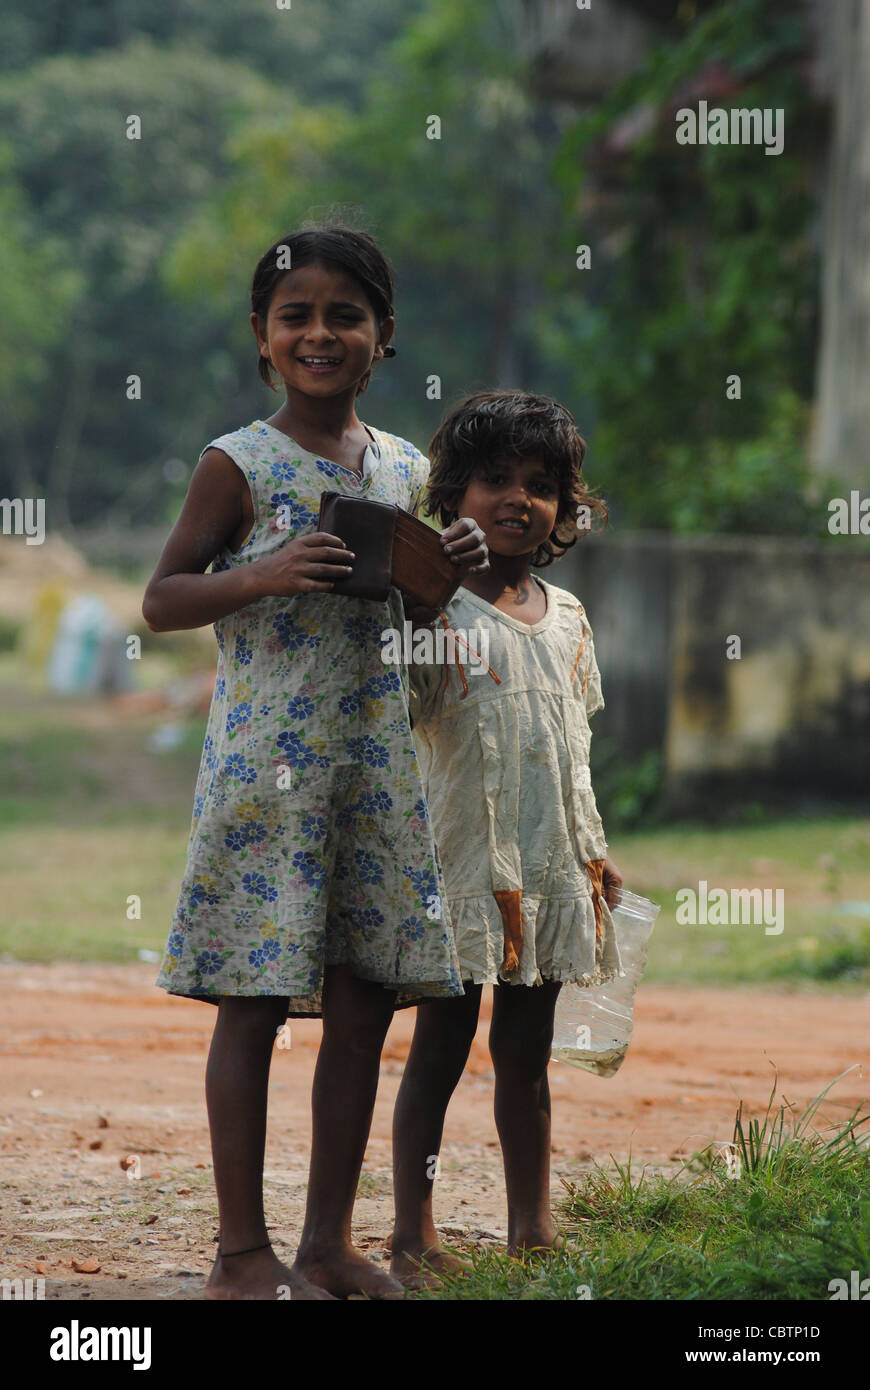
(252, 1014)
(355, 1034)
(524, 1053)
(444, 1022)
(444, 1054)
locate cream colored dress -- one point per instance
(504, 757)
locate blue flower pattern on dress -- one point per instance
(270, 950)
(295, 752)
(329, 470)
(310, 843)
(294, 516)
(314, 827)
(368, 750)
(300, 707)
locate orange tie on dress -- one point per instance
(595, 870)
(509, 905)
(457, 637)
(579, 654)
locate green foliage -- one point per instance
(98, 213)
(762, 484)
(468, 220)
(836, 953)
(705, 268)
(106, 209)
(314, 47)
(705, 263)
(27, 335)
(10, 633)
(626, 793)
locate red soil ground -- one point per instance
(96, 1064)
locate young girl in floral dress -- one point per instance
(311, 859)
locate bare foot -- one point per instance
(346, 1273)
(425, 1268)
(260, 1275)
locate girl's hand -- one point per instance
(464, 543)
(612, 881)
(310, 564)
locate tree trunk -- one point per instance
(841, 443)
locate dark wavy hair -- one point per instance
(513, 424)
(331, 244)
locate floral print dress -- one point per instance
(310, 840)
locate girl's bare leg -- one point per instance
(442, 1041)
(236, 1087)
(520, 1037)
(356, 1016)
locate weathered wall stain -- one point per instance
(792, 712)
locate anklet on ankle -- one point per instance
(232, 1253)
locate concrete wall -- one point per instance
(790, 716)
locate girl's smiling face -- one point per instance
(515, 502)
(321, 332)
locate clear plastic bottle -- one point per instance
(594, 1023)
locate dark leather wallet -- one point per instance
(391, 548)
(367, 528)
(420, 568)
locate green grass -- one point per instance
(795, 1218)
(818, 862)
(89, 815)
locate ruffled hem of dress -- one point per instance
(310, 1004)
(559, 942)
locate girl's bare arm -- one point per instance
(181, 595)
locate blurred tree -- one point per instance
(31, 324)
(705, 264)
(447, 164)
(101, 211)
(842, 435)
(319, 50)
(705, 270)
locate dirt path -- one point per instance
(97, 1064)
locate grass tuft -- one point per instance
(776, 1215)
